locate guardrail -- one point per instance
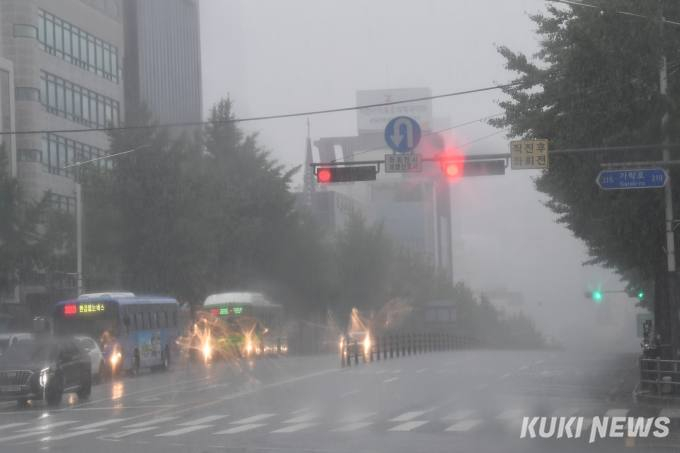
(390, 346)
(660, 376)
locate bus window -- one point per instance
(174, 319)
(139, 321)
(165, 319)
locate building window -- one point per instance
(59, 152)
(27, 94)
(62, 203)
(77, 103)
(75, 45)
(25, 31)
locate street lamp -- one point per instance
(79, 212)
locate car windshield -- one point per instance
(30, 350)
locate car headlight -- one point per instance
(44, 377)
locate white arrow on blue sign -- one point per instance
(402, 134)
(633, 178)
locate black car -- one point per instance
(43, 369)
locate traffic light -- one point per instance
(596, 296)
(641, 295)
(454, 169)
(325, 175)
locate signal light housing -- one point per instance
(325, 175)
(462, 168)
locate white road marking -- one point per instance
(203, 420)
(506, 375)
(464, 425)
(670, 412)
(386, 381)
(352, 427)
(408, 426)
(301, 418)
(616, 413)
(294, 428)
(128, 432)
(350, 393)
(460, 414)
(153, 421)
(510, 415)
(241, 428)
(406, 416)
(253, 419)
(357, 417)
(47, 427)
(20, 436)
(99, 424)
(524, 367)
(185, 430)
(12, 425)
(80, 432)
(299, 411)
(422, 370)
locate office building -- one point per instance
(163, 59)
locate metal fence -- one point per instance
(660, 376)
(390, 346)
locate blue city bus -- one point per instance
(133, 331)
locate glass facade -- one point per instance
(77, 103)
(78, 47)
(5, 110)
(62, 203)
(58, 152)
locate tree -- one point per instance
(596, 83)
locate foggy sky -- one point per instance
(281, 56)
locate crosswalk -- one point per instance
(454, 421)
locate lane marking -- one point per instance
(203, 420)
(153, 421)
(464, 425)
(408, 426)
(350, 393)
(294, 428)
(253, 419)
(98, 424)
(241, 428)
(670, 412)
(188, 429)
(506, 375)
(80, 432)
(352, 427)
(524, 367)
(460, 414)
(301, 418)
(510, 415)
(422, 370)
(48, 427)
(616, 413)
(12, 425)
(357, 417)
(406, 416)
(386, 381)
(20, 436)
(128, 432)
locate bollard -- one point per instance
(391, 346)
(347, 353)
(408, 344)
(404, 339)
(356, 352)
(397, 346)
(384, 348)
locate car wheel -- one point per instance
(85, 386)
(54, 390)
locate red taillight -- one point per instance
(70, 309)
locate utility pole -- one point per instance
(668, 197)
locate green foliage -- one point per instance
(596, 83)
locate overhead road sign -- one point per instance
(402, 134)
(529, 154)
(632, 178)
(403, 163)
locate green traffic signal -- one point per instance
(641, 295)
(597, 296)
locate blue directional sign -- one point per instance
(633, 178)
(402, 134)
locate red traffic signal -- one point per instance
(452, 169)
(325, 175)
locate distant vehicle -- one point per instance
(252, 323)
(44, 369)
(133, 332)
(8, 339)
(92, 349)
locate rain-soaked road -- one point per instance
(464, 401)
